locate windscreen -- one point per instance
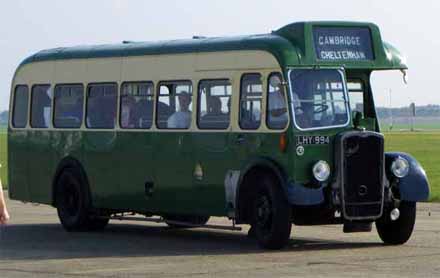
(319, 98)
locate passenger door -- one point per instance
(247, 140)
(213, 153)
(173, 148)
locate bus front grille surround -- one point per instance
(360, 169)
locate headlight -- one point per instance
(321, 170)
(400, 167)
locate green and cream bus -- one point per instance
(268, 130)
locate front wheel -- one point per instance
(398, 231)
(271, 215)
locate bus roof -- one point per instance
(292, 45)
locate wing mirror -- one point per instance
(404, 76)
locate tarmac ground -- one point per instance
(35, 245)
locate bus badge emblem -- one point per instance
(300, 150)
(198, 172)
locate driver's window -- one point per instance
(356, 95)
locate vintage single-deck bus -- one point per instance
(268, 130)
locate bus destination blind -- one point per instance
(347, 44)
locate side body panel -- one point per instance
(120, 163)
(17, 166)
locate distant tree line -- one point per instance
(4, 118)
(421, 111)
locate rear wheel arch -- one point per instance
(246, 185)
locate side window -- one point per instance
(356, 95)
(174, 105)
(277, 115)
(20, 109)
(251, 94)
(41, 106)
(214, 106)
(68, 106)
(136, 105)
(101, 106)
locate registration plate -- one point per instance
(312, 140)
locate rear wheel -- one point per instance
(271, 215)
(74, 204)
(398, 231)
(97, 223)
(194, 220)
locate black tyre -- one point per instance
(271, 215)
(72, 201)
(74, 205)
(398, 231)
(194, 220)
(97, 223)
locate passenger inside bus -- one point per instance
(101, 108)
(68, 108)
(41, 104)
(215, 118)
(127, 112)
(250, 114)
(143, 115)
(277, 104)
(250, 101)
(181, 118)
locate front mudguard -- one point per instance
(415, 186)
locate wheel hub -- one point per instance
(264, 212)
(71, 202)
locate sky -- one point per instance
(29, 26)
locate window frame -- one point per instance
(54, 104)
(32, 106)
(120, 104)
(267, 101)
(241, 93)
(159, 84)
(199, 99)
(14, 107)
(87, 103)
